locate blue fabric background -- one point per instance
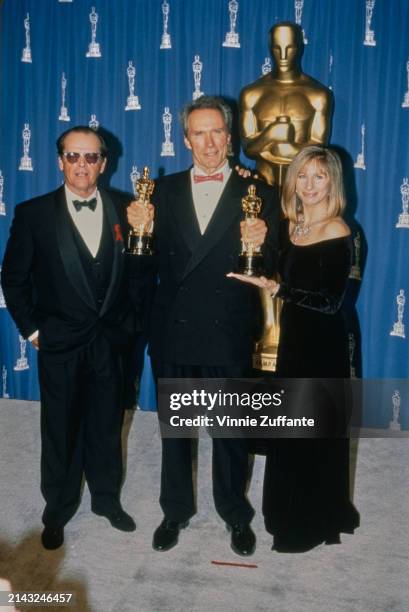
(369, 84)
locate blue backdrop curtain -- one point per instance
(369, 82)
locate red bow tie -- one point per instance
(201, 178)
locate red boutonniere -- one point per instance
(118, 233)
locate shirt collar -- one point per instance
(70, 196)
(225, 170)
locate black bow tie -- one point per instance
(91, 204)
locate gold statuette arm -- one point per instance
(280, 140)
(320, 127)
(254, 141)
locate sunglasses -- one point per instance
(91, 158)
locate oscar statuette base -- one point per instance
(139, 244)
(251, 265)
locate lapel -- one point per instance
(225, 215)
(69, 252)
(112, 219)
(71, 258)
(183, 211)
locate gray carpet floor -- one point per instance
(113, 571)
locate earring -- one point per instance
(300, 229)
(299, 209)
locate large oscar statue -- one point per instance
(281, 113)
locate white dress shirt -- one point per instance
(206, 195)
(88, 222)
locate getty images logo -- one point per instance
(200, 398)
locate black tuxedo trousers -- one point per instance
(81, 422)
(229, 460)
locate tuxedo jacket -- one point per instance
(199, 316)
(46, 286)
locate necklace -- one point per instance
(302, 229)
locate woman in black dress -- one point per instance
(306, 486)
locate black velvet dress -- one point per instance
(306, 487)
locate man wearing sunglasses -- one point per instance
(65, 281)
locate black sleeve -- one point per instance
(16, 274)
(335, 267)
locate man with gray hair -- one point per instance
(203, 325)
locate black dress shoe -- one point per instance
(167, 534)
(243, 540)
(52, 538)
(333, 538)
(118, 518)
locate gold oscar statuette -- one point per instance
(251, 260)
(140, 238)
(280, 113)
